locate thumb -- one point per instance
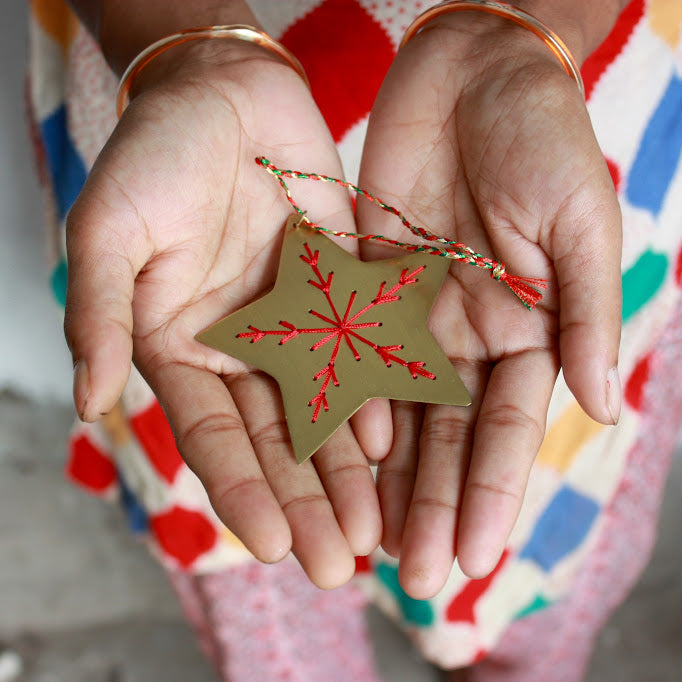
(587, 257)
(98, 320)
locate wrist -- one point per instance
(582, 24)
(202, 60)
(123, 28)
(571, 30)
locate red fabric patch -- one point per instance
(344, 82)
(90, 467)
(615, 173)
(461, 608)
(598, 61)
(362, 564)
(479, 656)
(636, 383)
(156, 438)
(678, 269)
(183, 534)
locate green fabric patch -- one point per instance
(642, 281)
(58, 282)
(538, 604)
(415, 611)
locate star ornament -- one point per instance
(335, 332)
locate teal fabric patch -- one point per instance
(415, 611)
(538, 604)
(58, 282)
(642, 281)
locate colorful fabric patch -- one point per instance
(599, 60)
(89, 466)
(58, 282)
(183, 534)
(636, 383)
(362, 564)
(415, 611)
(538, 604)
(665, 19)
(343, 87)
(462, 608)
(562, 527)
(659, 152)
(566, 437)
(614, 171)
(231, 539)
(66, 166)
(138, 522)
(56, 19)
(642, 281)
(156, 438)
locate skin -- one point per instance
(497, 153)
(156, 254)
(491, 145)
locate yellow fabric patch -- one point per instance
(116, 426)
(56, 19)
(665, 19)
(230, 538)
(566, 437)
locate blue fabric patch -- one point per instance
(561, 528)
(415, 611)
(66, 166)
(135, 512)
(659, 152)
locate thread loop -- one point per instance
(524, 288)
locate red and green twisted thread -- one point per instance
(525, 288)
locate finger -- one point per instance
(317, 540)
(397, 473)
(587, 257)
(213, 441)
(428, 547)
(102, 266)
(347, 479)
(509, 430)
(373, 428)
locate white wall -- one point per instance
(33, 355)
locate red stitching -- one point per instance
(343, 329)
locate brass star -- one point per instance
(335, 332)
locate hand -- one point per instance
(479, 135)
(177, 227)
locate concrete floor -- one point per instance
(82, 602)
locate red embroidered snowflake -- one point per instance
(340, 330)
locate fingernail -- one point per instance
(81, 387)
(613, 394)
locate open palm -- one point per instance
(175, 228)
(484, 140)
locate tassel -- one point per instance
(524, 288)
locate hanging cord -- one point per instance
(524, 288)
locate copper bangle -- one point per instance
(503, 9)
(232, 32)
